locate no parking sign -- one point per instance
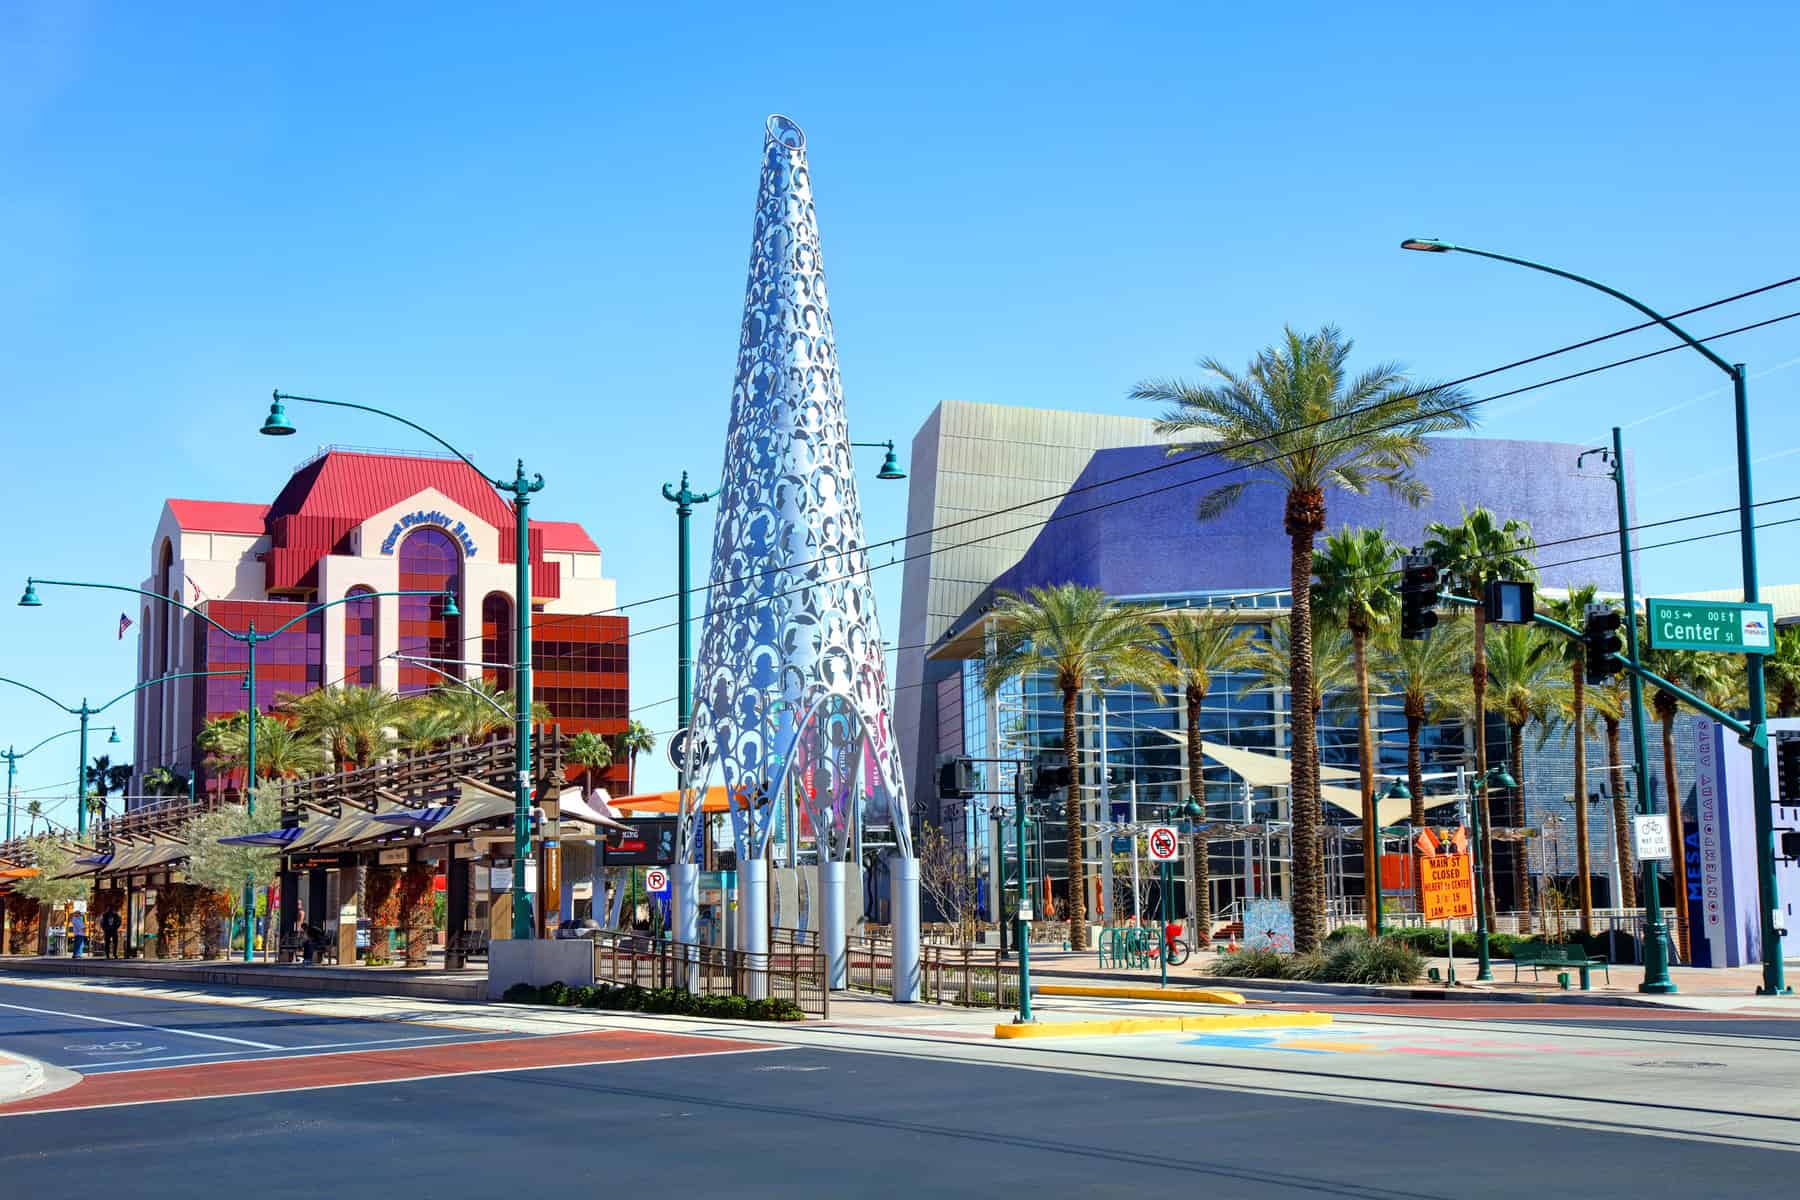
(1164, 844)
(656, 880)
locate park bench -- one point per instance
(1539, 955)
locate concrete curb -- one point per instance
(1180, 995)
(225, 973)
(1470, 992)
(1130, 1025)
(19, 1077)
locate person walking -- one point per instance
(78, 932)
(109, 930)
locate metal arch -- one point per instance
(790, 620)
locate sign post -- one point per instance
(1448, 892)
(1715, 625)
(1164, 846)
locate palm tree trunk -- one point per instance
(1584, 883)
(1202, 902)
(1078, 939)
(1677, 839)
(1478, 679)
(1304, 517)
(1415, 781)
(1520, 850)
(1359, 651)
(1621, 819)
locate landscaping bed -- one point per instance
(629, 997)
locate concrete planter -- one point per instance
(570, 961)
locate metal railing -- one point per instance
(967, 976)
(787, 972)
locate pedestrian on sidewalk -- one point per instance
(78, 932)
(109, 932)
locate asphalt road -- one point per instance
(810, 1122)
(97, 1033)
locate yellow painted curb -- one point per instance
(1217, 1024)
(1185, 995)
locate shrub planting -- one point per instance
(673, 1001)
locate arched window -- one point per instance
(497, 639)
(156, 631)
(360, 637)
(431, 561)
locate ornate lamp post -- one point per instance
(520, 489)
(12, 758)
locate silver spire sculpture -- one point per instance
(792, 704)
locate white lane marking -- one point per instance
(325, 1087)
(289, 1051)
(211, 1037)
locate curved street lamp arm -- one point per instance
(65, 733)
(456, 679)
(1615, 293)
(44, 694)
(119, 587)
(319, 608)
(382, 412)
(160, 679)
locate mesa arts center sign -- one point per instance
(443, 521)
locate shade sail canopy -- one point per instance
(1387, 812)
(144, 858)
(575, 807)
(425, 817)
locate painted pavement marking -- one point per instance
(312, 1072)
(75, 1016)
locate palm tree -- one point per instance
(593, 752)
(1527, 688)
(1204, 642)
(1571, 610)
(1471, 553)
(1431, 677)
(480, 710)
(1270, 662)
(1355, 589)
(1081, 638)
(34, 809)
(422, 727)
(103, 778)
(1781, 671)
(1297, 419)
(637, 739)
(282, 750)
(352, 721)
(1612, 700)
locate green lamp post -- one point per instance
(520, 489)
(251, 638)
(890, 463)
(684, 499)
(1757, 739)
(83, 712)
(1396, 789)
(12, 758)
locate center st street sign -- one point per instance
(1716, 625)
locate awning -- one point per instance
(145, 858)
(269, 837)
(670, 802)
(353, 829)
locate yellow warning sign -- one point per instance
(1449, 886)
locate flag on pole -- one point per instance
(124, 624)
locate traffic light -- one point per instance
(956, 779)
(1418, 596)
(1051, 775)
(1787, 771)
(1600, 634)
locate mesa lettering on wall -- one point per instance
(444, 521)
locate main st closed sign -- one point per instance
(1715, 625)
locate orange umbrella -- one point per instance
(17, 872)
(669, 802)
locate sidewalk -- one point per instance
(1695, 987)
(425, 983)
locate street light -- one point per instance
(1495, 777)
(1757, 739)
(890, 463)
(12, 758)
(84, 710)
(520, 487)
(251, 638)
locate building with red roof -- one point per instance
(350, 522)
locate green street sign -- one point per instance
(1716, 625)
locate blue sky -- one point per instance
(530, 230)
